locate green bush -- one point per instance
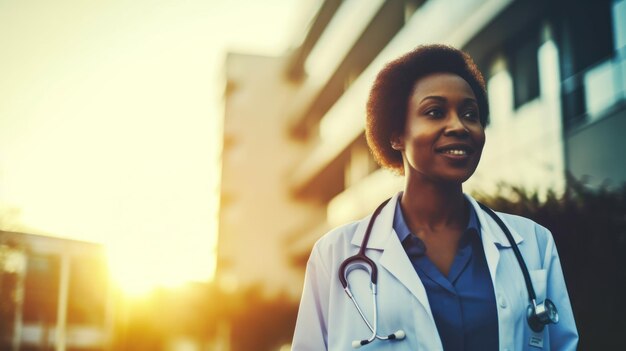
(589, 228)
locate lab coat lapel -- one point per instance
(393, 258)
(493, 238)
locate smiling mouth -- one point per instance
(456, 152)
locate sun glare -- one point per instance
(124, 120)
(138, 272)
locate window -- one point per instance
(88, 290)
(586, 35)
(524, 67)
(41, 290)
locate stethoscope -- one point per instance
(538, 315)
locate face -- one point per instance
(443, 137)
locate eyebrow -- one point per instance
(443, 99)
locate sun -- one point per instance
(138, 272)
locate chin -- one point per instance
(456, 177)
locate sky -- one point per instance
(110, 121)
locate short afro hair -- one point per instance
(389, 96)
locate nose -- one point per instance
(455, 126)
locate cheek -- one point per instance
(478, 136)
(482, 139)
(419, 134)
(419, 147)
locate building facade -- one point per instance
(55, 294)
(556, 77)
(257, 211)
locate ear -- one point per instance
(397, 141)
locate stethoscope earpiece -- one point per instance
(357, 344)
(398, 335)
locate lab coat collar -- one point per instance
(493, 238)
(490, 229)
(383, 227)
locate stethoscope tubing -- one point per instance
(516, 251)
(343, 278)
(374, 328)
(361, 256)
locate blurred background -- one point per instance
(166, 166)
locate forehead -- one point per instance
(441, 84)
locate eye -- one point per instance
(435, 112)
(471, 114)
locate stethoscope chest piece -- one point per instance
(540, 315)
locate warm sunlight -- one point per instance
(110, 125)
(137, 274)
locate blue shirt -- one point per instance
(463, 303)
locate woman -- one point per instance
(447, 276)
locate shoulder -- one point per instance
(338, 237)
(525, 226)
(537, 245)
(336, 245)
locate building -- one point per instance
(295, 158)
(55, 294)
(257, 211)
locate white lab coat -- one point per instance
(327, 319)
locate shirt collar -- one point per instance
(402, 229)
(399, 224)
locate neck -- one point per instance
(433, 205)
